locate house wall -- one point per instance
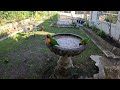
(115, 28)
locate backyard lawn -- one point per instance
(29, 58)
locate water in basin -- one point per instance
(68, 42)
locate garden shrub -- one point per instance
(102, 34)
(94, 28)
(13, 16)
(86, 24)
(3, 33)
(74, 24)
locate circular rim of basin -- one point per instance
(64, 51)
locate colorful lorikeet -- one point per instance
(84, 41)
(51, 40)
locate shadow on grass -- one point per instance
(29, 58)
(25, 56)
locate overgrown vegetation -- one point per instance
(13, 16)
(16, 16)
(102, 34)
(3, 33)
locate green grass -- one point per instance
(28, 57)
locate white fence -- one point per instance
(115, 30)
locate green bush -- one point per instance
(94, 28)
(74, 24)
(3, 33)
(102, 34)
(13, 16)
(86, 24)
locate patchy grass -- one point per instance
(29, 58)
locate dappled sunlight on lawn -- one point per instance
(44, 33)
(23, 35)
(19, 36)
(15, 37)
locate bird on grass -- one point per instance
(84, 41)
(51, 40)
